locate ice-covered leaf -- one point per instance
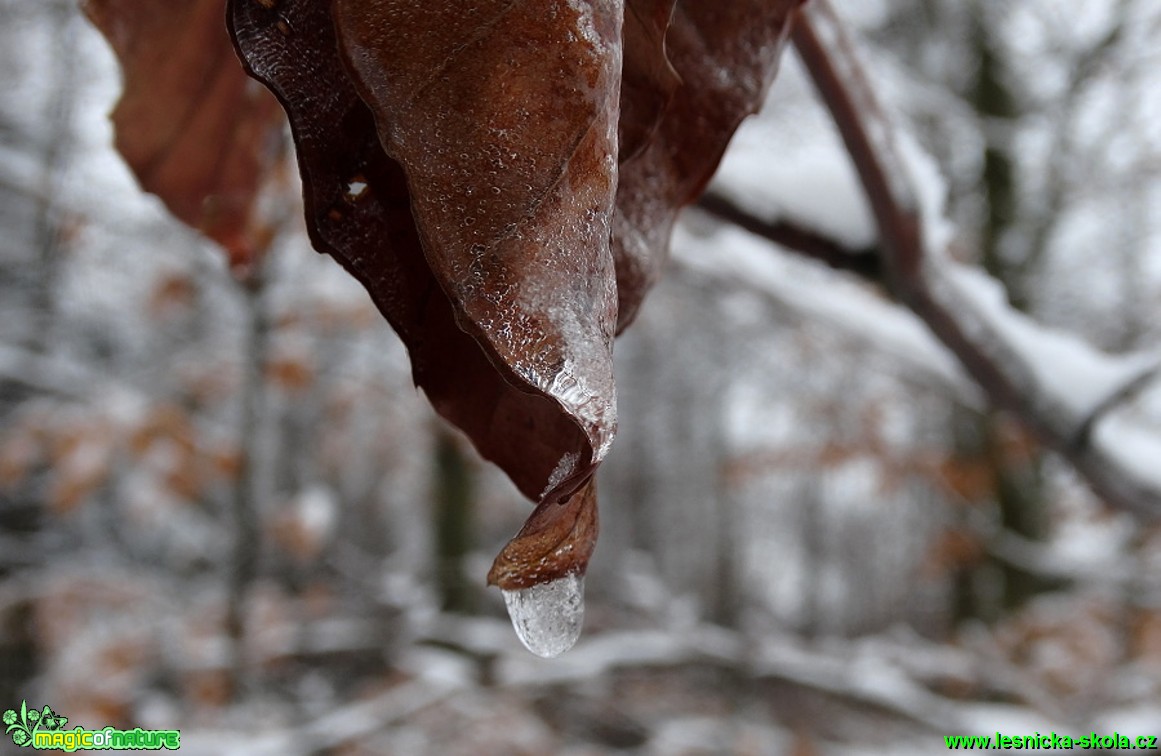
(461, 160)
(726, 54)
(520, 405)
(503, 116)
(195, 130)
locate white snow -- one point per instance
(930, 188)
(809, 184)
(731, 254)
(318, 511)
(1134, 446)
(1066, 371)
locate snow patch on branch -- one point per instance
(1064, 369)
(1136, 448)
(930, 190)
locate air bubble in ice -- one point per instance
(548, 616)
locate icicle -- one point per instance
(548, 616)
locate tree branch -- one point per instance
(248, 488)
(990, 340)
(859, 311)
(865, 263)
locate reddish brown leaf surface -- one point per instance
(359, 210)
(461, 161)
(648, 81)
(726, 54)
(503, 116)
(195, 130)
(557, 539)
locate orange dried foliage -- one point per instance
(194, 129)
(174, 292)
(291, 372)
(1145, 637)
(953, 550)
(971, 479)
(20, 452)
(164, 422)
(225, 461)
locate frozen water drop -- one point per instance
(548, 616)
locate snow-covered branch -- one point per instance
(743, 260)
(1059, 386)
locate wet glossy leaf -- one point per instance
(461, 160)
(359, 210)
(503, 116)
(195, 130)
(726, 54)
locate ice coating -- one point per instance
(548, 616)
(504, 120)
(359, 209)
(563, 469)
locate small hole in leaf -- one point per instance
(283, 25)
(357, 188)
(267, 4)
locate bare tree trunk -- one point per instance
(249, 490)
(1016, 496)
(453, 522)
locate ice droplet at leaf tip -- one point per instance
(548, 616)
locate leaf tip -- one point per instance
(556, 541)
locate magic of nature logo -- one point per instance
(44, 729)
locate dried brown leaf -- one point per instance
(648, 81)
(503, 116)
(461, 160)
(726, 54)
(557, 540)
(359, 210)
(195, 130)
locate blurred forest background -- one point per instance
(814, 538)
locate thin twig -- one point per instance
(247, 488)
(1125, 393)
(865, 263)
